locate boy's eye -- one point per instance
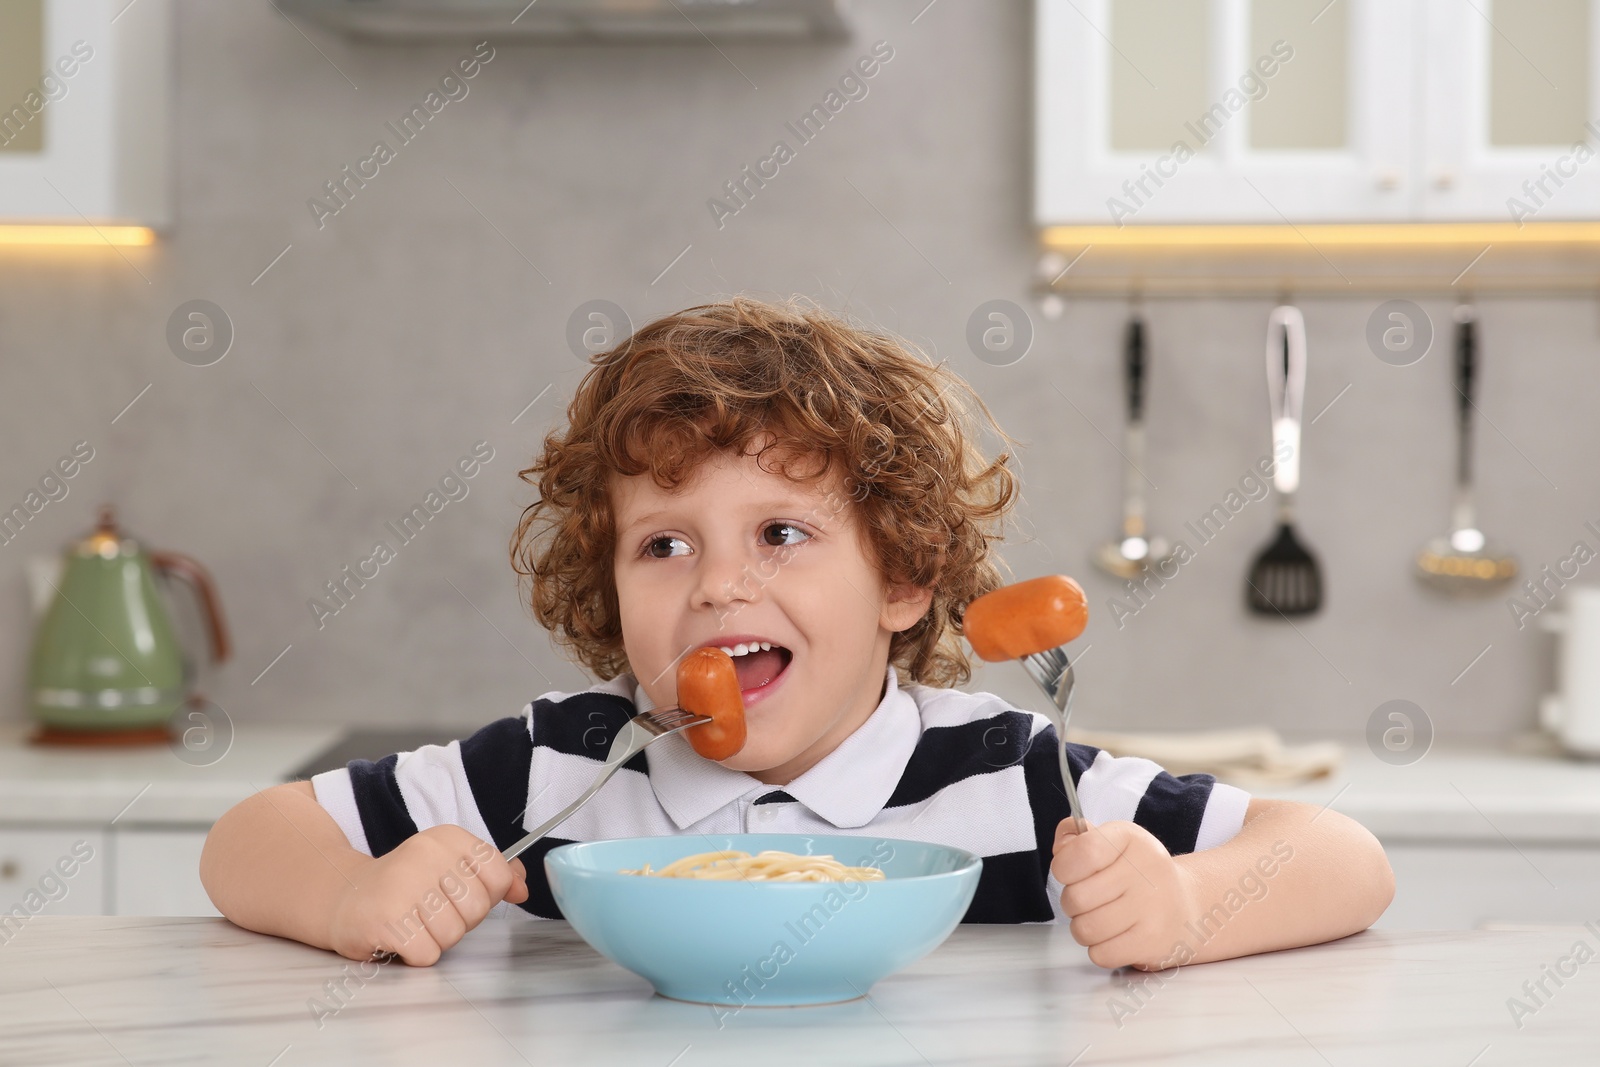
(777, 534)
(663, 547)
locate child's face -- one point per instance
(741, 554)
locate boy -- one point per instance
(810, 497)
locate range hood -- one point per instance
(579, 20)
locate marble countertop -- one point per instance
(155, 784)
(1522, 791)
(79, 991)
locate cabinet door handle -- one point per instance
(9, 869)
(1388, 178)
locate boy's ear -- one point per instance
(904, 605)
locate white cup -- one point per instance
(1572, 713)
(44, 578)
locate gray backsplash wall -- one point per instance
(429, 312)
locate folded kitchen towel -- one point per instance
(1249, 758)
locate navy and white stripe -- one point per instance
(940, 765)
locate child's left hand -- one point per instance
(1127, 896)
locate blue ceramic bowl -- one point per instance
(740, 943)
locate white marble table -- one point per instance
(93, 990)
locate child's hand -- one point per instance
(1127, 896)
(419, 899)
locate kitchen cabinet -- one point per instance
(55, 871)
(85, 95)
(1508, 91)
(90, 870)
(1278, 111)
(157, 872)
(144, 811)
(1439, 885)
(1472, 887)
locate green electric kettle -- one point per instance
(106, 665)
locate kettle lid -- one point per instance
(107, 540)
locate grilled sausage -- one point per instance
(708, 685)
(1019, 620)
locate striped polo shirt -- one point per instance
(937, 765)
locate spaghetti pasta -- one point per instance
(770, 866)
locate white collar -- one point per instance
(848, 787)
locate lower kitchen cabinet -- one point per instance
(158, 873)
(1466, 887)
(54, 871)
(155, 870)
(99, 871)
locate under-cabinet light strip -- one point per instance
(29, 234)
(1206, 236)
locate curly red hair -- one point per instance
(800, 383)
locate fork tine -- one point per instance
(671, 713)
(672, 718)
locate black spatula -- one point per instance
(1285, 579)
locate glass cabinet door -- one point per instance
(1511, 99)
(85, 89)
(1223, 111)
(22, 105)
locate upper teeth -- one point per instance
(740, 650)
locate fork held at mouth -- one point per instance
(637, 734)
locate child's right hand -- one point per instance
(422, 897)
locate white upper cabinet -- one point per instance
(1509, 108)
(85, 95)
(1275, 111)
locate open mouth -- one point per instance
(758, 664)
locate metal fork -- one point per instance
(637, 734)
(1051, 671)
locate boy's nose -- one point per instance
(725, 580)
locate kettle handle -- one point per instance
(199, 579)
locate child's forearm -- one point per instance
(1293, 875)
(277, 863)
